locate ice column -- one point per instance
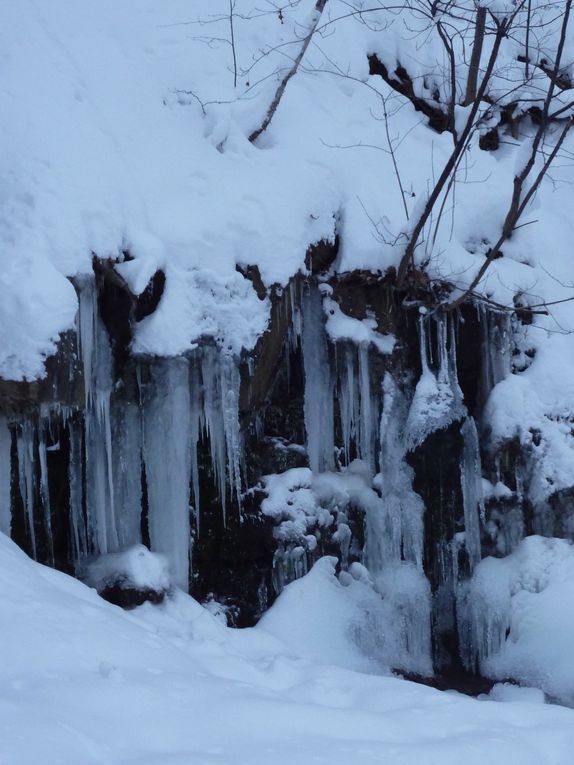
(366, 439)
(45, 490)
(80, 546)
(394, 527)
(26, 468)
(167, 456)
(127, 437)
(5, 444)
(97, 364)
(318, 385)
(348, 400)
(471, 485)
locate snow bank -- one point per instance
(83, 682)
(519, 614)
(333, 620)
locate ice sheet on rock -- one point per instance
(167, 457)
(437, 401)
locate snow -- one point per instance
(142, 148)
(151, 156)
(124, 135)
(522, 616)
(136, 568)
(170, 684)
(339, 326)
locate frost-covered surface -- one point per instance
(520, 616)
(170, 684)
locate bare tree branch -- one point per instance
(319, 7)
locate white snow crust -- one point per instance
(521, 612)
(134, 568)
(170, 684)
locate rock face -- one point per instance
(355, 429)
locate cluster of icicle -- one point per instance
(384, 422)
(180, 399)
(183, 399)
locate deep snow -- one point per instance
(84, 683)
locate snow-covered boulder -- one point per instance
(129, 578)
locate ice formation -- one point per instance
(167, 459)
(121, 440)
(95, 352)
(318, 384)
(437, 400)
(5, 446)
(471, 483)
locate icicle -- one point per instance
(97, 363)
(366, 451)
(26, 469)
(75, 477)
(348, 400)
(212, 417)
(127, 438)
(319, 424)
(195, 388)
(295, 328)
(5, 507)
(167, 456)
(230, 382)
(438, 400)
(496, 349)
(45, 491)
(471, 484)
(394, 527)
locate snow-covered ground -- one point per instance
(84, 683)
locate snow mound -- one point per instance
(519, 614)
(136, 568)
(348, 637)
(82, 681)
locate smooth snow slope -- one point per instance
(83, 683)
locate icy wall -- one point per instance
(356, 428)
